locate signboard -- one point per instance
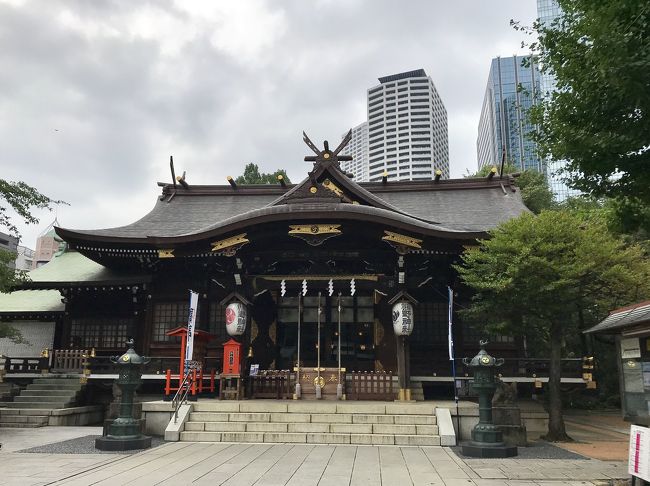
(632, 376)
(191, 323)
(193, 365)
(639, 458)
(630, 348)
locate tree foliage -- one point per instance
(598, 118)
(252, 175)
(533, 185)
(625, 217)
(549, 277)
(22, 199)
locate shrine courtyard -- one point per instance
(181, 463)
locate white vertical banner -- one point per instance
(450, 334)
(191, 323)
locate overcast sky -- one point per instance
(95, 95)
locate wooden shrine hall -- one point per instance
(316, 269)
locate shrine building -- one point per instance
(316, 267)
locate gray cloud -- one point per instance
(95, 96)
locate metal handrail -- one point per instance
(180, 398)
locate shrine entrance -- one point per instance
(357, 327)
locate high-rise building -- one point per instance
(24, 258)
(47, 244)
(407, 129)
(512, 88)
(547, 12)
(9, 243)
(358, 149)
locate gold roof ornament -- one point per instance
(229, 246)
(402, 243)
(314, 234)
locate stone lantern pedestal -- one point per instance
(487, 439)
(124, 432)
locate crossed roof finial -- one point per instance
(326, 155)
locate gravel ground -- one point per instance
(536, 450)
(83, 445)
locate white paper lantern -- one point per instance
(403, 318)
(236, 317)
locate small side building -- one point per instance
(631, 327)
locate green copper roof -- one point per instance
(64, 270)
(32, 301)
(72, 268)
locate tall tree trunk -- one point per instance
(585, 341)
(556, 430)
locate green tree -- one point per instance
(626, 217)
(533, 185)
(22, 199)
(551, 276)
(252, 175)
(598, 118)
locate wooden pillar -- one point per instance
(403, 373)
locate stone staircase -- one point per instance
(8, 391)
(33, 406)
(312, 422)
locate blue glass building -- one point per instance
(512, 88)
(547, 12)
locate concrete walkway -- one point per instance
(285, 464)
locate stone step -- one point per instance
(281, 417)
(11, 412)
(44, 398)
(57, 381)
(309, 438)
(38, 420)
(315, 407)
(29, 425)
(8, 391)
(46, 386)
(39, 405)
(36, 393)
(325, 427)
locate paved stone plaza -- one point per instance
(280, 464)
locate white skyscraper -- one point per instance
(407, 129)
(358, 149)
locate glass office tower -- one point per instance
(547, 12)
(512, 88)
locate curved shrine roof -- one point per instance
(454, 208)
(460, 208)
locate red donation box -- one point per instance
(231, 358)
